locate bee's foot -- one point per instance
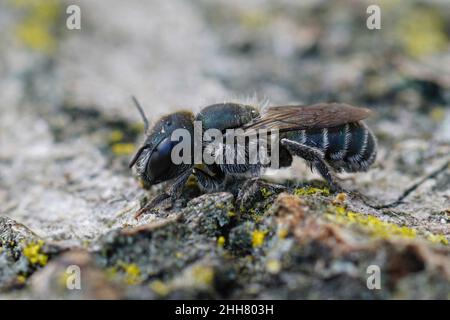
(248, 190)
(140, 212)
(337, 188)
(256, 191)
(158, 200)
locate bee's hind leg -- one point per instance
(316, 158)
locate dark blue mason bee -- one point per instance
(331, 137)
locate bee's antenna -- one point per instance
(142, 113)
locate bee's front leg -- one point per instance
(152, 204)
(169, 196)
(316, 158)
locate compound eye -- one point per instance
(160, 164)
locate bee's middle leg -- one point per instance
(208, 182)
(315, 157)
(248, 191)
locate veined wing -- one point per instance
(321, 115)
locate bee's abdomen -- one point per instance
(350, 147)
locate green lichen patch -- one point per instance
(309, 191)
(377, 227)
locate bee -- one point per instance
(331, 137)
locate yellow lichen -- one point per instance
(422, 32)
(132, 272)
(231, 214)
(254, 215)
(340, 198)
(308, 191)
(265, 193)
(203, 275)
(258, 237)
(21, 279)
(111, 273)
(160, 288)
(437, 114)
(138, 127)
(116, 136)
(32, 251)
(283, 233)
(221, 241)
(122, 148)
(273, 266)
(254, 19)
(63, 279)
(36, 30)
(179, 254)
(220, 206)
(438, 238)
(375, 226)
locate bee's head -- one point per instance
(153, 159)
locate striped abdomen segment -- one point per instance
(350, 147)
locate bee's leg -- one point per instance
(149, 206)
(169, 196)
(250, 192)
(324, 170)
(255, 170)
(209, 182)
(315, 157)
(175, 189)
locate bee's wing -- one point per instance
(321, 115)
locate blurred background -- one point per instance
(68, 127)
